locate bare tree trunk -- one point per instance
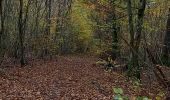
(138, 34)
(1, 32)
(47, 27)
(114, 31)
(136, 38)
(2, 22)
(166, 48)
(37, 18)
(48, 16)
(131, 25)
(131, 29)
(20, 25)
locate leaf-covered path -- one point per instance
(65, 78)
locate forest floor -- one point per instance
(65, 78)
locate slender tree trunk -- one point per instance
(114, 32)
(136, 38)
(1, 32)
(131, 26)
(20, 25)
(2, 22)
(48, 24)
(166, 48)
(48, 16)
(26, 17)
(37, 18)
(138, 34)
(131, 29)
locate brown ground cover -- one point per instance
(65, 78)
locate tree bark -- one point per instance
(114, 32)
(2, 21)
(138, 34)
(1, 32)
(131, 30)
(20, 25)
(48, 16)
(166, 48)
(135, 37)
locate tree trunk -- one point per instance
(138, 34)
(114, 32)
(37, 18)
(136, 38)
(48, 16)
(166, 48)
(20, 25)
(1, 32)
(131, 29)
(2, 23)
(47, 28)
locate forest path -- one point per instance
(65, 78)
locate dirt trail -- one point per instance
(67, 78)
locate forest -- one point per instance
(84, 49)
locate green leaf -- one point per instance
(118, 97)
(118, 90)
(139, 98)
(125, 97)
(158, 98)
(145, 98)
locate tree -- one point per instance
(48, 16)
(1, 31)
(136, 36)
(62, 26)
(48, 25)
(114, 30)
(2, 20)
(166, 48)
(22, 27)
